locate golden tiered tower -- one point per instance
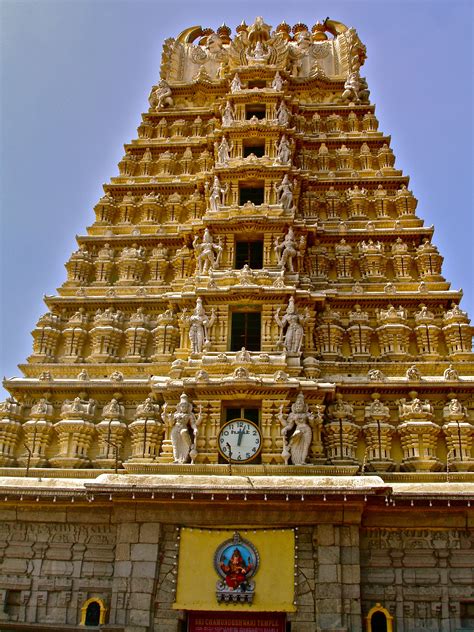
(258, 258)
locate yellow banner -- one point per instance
(273, 579)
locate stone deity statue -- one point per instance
(287, 250)
(300, 418)
(277, 83)
(208, 253)
(283, 149)
(223, 150)
(284, 192)
(283, 114)
(293, 322)
(216, 194)
(184, 431)
(199, 325)
(228, 116)
(235, 84)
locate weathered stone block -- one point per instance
(329, 555)
(143, 552)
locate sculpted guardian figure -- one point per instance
(284, 192)
(160, 96)
(199, 325)
(283, 151)
(283, 114)
(293, 322)
(297, 446)
(216, 195)
(228, 116)
(184, 431)
(235, 84)
(208, 253)
(223, 150)
(287, 250)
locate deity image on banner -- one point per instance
(236, 561)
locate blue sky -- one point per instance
(75, 77)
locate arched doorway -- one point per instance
(93, 612)
(379, 619)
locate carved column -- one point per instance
(79, 266)
(127, 209)
(381, 202)
(165, 336)
(372, 260)
(333, 204)
(370, 122)
(131, 265)
(359, 332)
(393, 332)
(46, 338)
(111, 431)
(37, 431)
(427, 333)
(136, 336)
(271, 431)
(402, 261)
(74, 337)
(147, 433)
(418, 435)
(405, 202)
(105, 210)
(357, 203)
(104, 265)
(340, 433)
(10, 430)
(459, 435)
(344, 260)
(428, 261)
(106, 335)
(75, 433)
(378, 434)
(457, 333)
(208, 431)
(329, 333)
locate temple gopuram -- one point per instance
(249, 407)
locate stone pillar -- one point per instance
(135, 572)
(337, 601)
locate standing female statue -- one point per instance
(199, 325)
(184, 431)
(300, 418)
(294, 327)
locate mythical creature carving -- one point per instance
(160, 96)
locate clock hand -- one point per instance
(241, 433)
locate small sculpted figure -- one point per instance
(297, 446)
(277, 83)
(160, 97)
(293, 322)
(228, 116)
(208, 253)
(217, 193)
(283, 114)
(184, 431)
(223, 150)
(287, 250)
(284, 192)
(199, 325)
(283, 151)
(235, 84)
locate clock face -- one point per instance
(240, 440)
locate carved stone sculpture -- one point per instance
(296, 444)
(208, 253)
(284, 193)
(199, 326)
(184, 431)
(160, 96)
(291, 325)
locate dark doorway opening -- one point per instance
(250, 253)
(93, 614)
(245, 331)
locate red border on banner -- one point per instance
(236, 622)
